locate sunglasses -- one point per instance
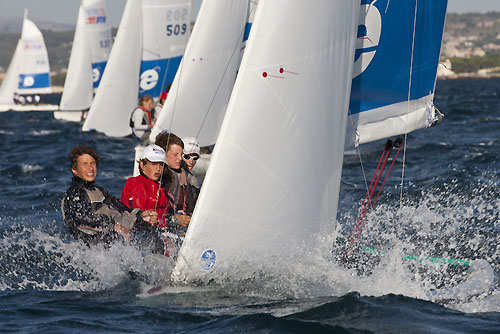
(187, 157)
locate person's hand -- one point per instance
(150, 216)
(183, 219)
(123, 231)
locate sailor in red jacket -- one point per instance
(144, 191)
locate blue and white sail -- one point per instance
(98, 35)
(397, 55)
(89, 54)
(34, 69)
(170, 23)
(146, 53)
(29, 70)
(258, 204)
(198, 99)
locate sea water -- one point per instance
(428, 259)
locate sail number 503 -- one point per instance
(176, 29)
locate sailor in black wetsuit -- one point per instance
(95, 216)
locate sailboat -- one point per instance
(89, 54)
(197, 101)
(273, 183)
(28, 74)
(145, 56)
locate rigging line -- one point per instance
(356, 232)
(397, 144)
(354, 131)
(408, 105)
(157, 54)
(159, 184)
(367, 208)
(250, 12)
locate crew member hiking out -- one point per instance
(96, 217)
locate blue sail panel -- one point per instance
(156, 75)
(97, 71)
(398, 48)
(248, 27)
(34, 81)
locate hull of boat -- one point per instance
(71, 115)
(40, 107)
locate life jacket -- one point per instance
(96, 198)
(148, 115)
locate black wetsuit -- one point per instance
(91, 213)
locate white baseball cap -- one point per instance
(191, 145)
(154, 153)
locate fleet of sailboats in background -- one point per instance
(28, 75)
(145, 56)
(89, 54)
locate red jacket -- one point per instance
(142, 193)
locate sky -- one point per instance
(65, 11)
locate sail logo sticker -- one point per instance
(369, 30)
(96, 15)
(32, 45)
(207, 260)
(96, 75)
(149, 79)
(28, 81)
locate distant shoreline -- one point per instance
(469, 76)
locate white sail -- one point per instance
(28, 71)
(397, 56)
(11, 79)
(34, 70)
(98, 35)
(117, 92)
(166, 27)
(89, 54)
(198, 99)
(274, 177)
(78, 88)
(150, 32)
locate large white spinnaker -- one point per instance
(198, 99)
(397, 55)
(145, 56)
(273, 181)
(78, 87)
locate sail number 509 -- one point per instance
(176, 29)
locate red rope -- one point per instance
(356, 226)
(383, 183)
(355, 234)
